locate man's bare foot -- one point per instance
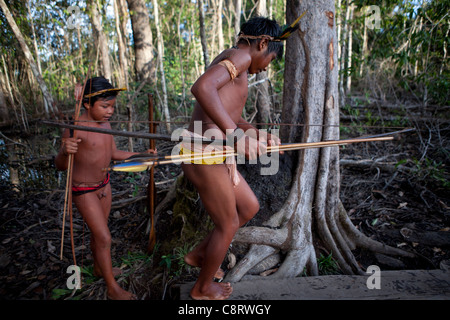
(117, 293)
(216, 291)
(98, 273)
(195, 260)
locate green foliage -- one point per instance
(174, 263)
(327, 265)
(430, 171)
(132, 180)
(412, 40)
(410, 47)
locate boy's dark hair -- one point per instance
(258, 26)
(96, 84)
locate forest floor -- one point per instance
(396, 192)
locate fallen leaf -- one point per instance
(232, 260)
(6, 240)
(444, 205)
(402, 205)
(437, 250)
(268, 272)
(51, 247)
(24, 272)
(405, 232)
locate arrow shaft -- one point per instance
(143, 164)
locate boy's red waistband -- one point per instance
(76, 191)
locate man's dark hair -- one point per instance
(258, 26)
(96, 84)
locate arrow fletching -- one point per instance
(291, 28)
(135, 166)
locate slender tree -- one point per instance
(237, 20)
(203, 40)
(4, 114)
(48, 99)
(160, 46)
(102, 41)
(350, 48)
(262, 89)
(123, 61)
(143, 40)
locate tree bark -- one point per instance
(262, 89)
(29, 57)
(312, 212)
(237, 21)
(123, 79)
(364, 45)
(161, 65)
(343, 52)
(201, 18)
(102, 41)
(180, 57)
(350, 50)
(4, 114)
(143, 40)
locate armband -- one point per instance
(230, 67)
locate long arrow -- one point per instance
(142, 163)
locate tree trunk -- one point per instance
(48, 99)
(343, 51)
(4, 114)
(38, 60)
(220, 25)
(364, 46)
(123, 78)
(312, 212)
(102, 42)
(262, 89)
(350, 50)
(180, 57)
(161, 65)
(201, 18)
(142, 35)
(237, 21)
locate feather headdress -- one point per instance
(288, 29)
(285, 34)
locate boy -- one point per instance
(221, 93)
(91, 190)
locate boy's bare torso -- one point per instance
(94, 154)
(233, 95)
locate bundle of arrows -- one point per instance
(144, 161)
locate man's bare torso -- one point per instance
(233, 96)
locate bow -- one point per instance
(68, 192)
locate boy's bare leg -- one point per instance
(247, 206)
(94, 207)
(104, 195)
(97, 271)
(220, 199)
